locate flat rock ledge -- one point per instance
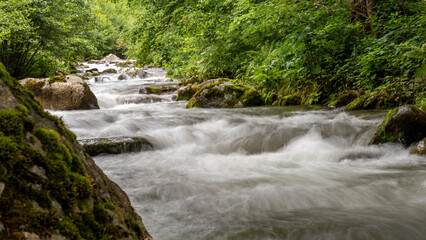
(115, 145)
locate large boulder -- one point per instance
(406, 125)
(224, 94)
(62, 92)
(115, 145)
(191, 86)
(49, 187)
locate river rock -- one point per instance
(123, 77)
(406, 125)
(419, 148)
(111, 58)
(224, 94)
(62, 92)
(66, 196)
(109, 70)
(157, 90)
(92, 70)
(187, 92)
(115, 145)
(137, 73)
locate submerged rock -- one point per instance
(115, 145)
(62, 92)
(419, 148)
(49, 187)
(406, 125)
(223, 94)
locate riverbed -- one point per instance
(254, 173)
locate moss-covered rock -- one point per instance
(419, 148)
(224, 94)
(187, 92)
(344, 98)
(115, 145)
(49, 187)
(62, 92)
(406, 125)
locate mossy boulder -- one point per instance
(187, 92)
(406, 125)
(49, 187)
(419, 148)
(62, 92)
(224, 94)
(115, 145)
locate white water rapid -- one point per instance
(255, 173)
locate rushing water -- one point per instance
(255, 173)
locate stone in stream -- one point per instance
(419, 148)
(62, 92)
(123, 77)
(224, 94)
(109, 70)
(115, 145)
(406, 125)
(137, 73)
(157, 90)
(92, 70)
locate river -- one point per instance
(255, 173)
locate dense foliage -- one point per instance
(286, 46)
(40, 36)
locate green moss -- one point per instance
(71, 135)
(356, 104)
(382, 135)
(35, 86)
(290, 100)
(133, 225)
(67, 227)
(252, 98)
(187, 93)
(11, 123)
